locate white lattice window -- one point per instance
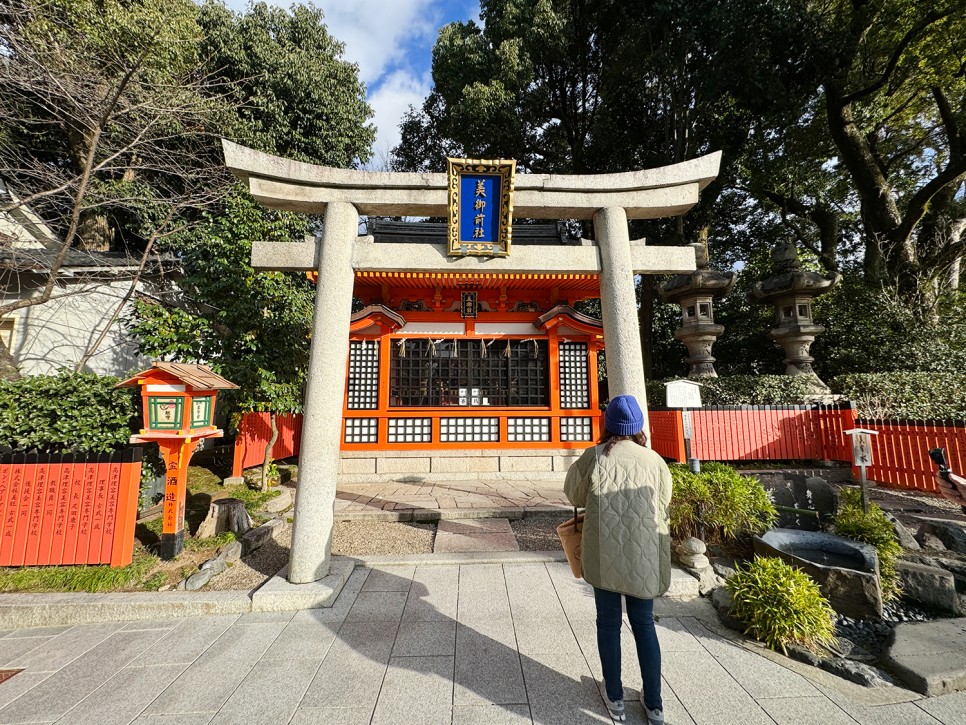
(576, 429)
(363, 389)
(361, 430)
(474, 430)
(410, 430)
(574, 383)
(528, 429)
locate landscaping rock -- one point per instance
(929, 586)
(857, 672)
(257, 537)
(905, 537)
(930, 541)
(722, 601)
(806, 494)
(724, 568)
(696, 561)
(231, 552)
(280, 503)
(216, 566)
(929, 657)
(691, 546)
(801, 654)
(951, 533)
(198, 580)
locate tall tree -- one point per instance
(103, 113)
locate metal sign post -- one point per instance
(862, 457)
(685, 394)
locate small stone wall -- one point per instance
(455, 465)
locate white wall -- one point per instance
(56, 334)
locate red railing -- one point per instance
(256, 431)
(900, 451)
(68, 509)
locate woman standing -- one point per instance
(625, 488)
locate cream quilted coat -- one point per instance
(626, 544)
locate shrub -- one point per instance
(744, 390)
(781, 605)
(729, 504)
(65, 412)
(871, 528)
(905, 395)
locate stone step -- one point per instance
(474, 535)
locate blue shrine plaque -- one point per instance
(480, 207)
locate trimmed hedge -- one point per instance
(66, 412)
(905, 395)
(743, 390)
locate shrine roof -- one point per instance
(577, 285)
(197, 376)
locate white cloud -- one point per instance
(378, 33)
(395, 94)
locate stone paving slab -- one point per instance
(472, 662)
(475, 535)
(929, 657)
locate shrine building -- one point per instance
(449, 361)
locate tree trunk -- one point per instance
(226, 514)
(268, 451)
(8, 367)
(645, 323)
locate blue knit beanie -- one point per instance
(623, 416)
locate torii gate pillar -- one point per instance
(342, 194)
(322, 411)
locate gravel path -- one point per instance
(538, 533)
(255, 569)
(361, 538)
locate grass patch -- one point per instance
(102, 578)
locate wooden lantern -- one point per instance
(179, 407)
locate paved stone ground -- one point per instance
(360, 499)
(474, 644)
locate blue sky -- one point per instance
(392, 41)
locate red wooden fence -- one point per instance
(771, 433)
(762, 433)
(667, 433)
(900, 453)
(256, 431)
(68, 509)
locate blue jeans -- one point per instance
(640, 612)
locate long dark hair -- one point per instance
(609, 440)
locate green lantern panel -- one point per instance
(201, 412)
(165, 413)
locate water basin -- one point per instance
(846, 571)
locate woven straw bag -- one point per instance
(571, 534)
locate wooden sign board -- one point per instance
(683, 394)
(480, 207)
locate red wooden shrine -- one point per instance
(456, 360)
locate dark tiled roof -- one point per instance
(41, 260)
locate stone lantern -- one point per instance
(696, 292)
(791, 290)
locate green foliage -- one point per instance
(294, 93)
(905, 395)
(743, 390)
(871, 528)
(66, 412)
(781, 605)
(872, 331)
(252, 328)
(727, 504)
(134, 576)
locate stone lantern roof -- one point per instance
(701, 282)
(788, 278)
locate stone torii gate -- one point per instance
(610, 200)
